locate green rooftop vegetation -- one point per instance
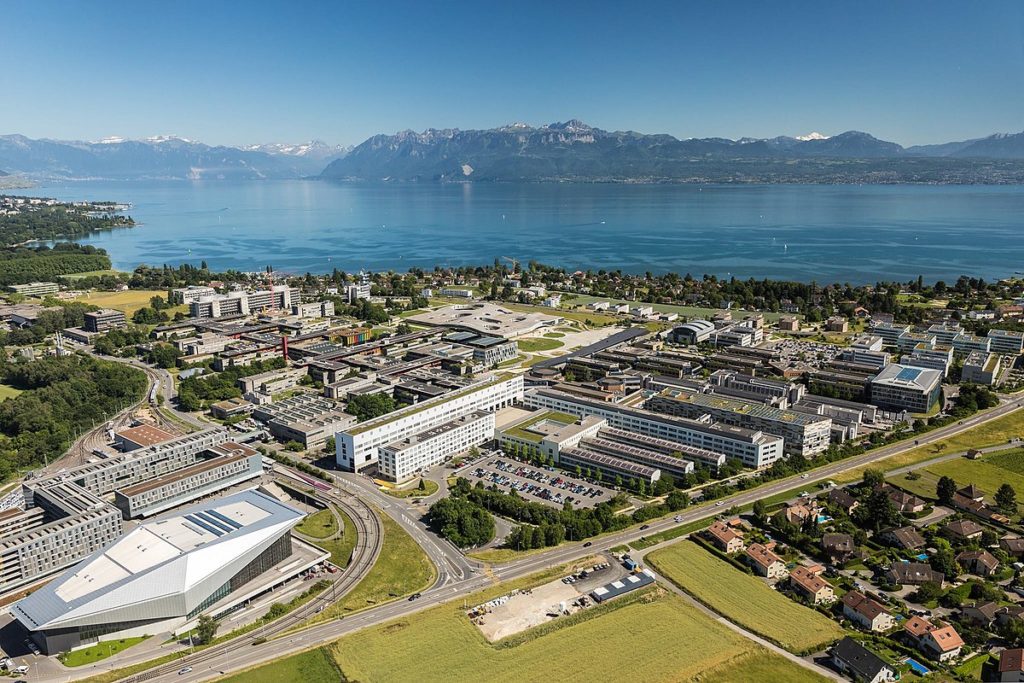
(521, 430)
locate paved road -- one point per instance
(452, 587)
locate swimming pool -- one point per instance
(918, 667)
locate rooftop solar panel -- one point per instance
(908, 374)
(203, 525)
(215, 522)
(226, 520)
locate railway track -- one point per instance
(370, 538)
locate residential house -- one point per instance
(724, 538)
(973, 492)
(913, 574)
(916, 627)
(905, 537)
(963, 530)
(1009, 613)
(981, 614)
(979, 562)
(906, 503)
(798, 513)
(868, 613)
(1013, 545)
(838, 547)
(810, 586)
(1011, 664)
(843, 500)
(860, 663)
(942, 643)
(765, 562)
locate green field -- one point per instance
(429, 489)
(401, 569)
(341, 548)
(311, 666)
(744, 599)
(100, 651)
(993, 433)
(535, 344)
(988, 474)
(7, 392)
(129, 301)
(652, 636)
(320, 524)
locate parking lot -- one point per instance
(541, 484)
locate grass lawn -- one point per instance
(7, 392)
(93, 273)
(312, 665)
(90, 655)
(744, 599)
(341, 548)
(993, 433)
(320, 524)
(669, 534)
(401, 569)
(554, 335)
(988, 474)
(637, 637)
(589, 318)
(429, 489)
(538, 344)
(129, 301)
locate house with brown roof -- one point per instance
(916, 627)
(913, 574)
(724, 538)
(811, 586)
(980, 613)
(972, 492)
(906, 503)
(1013, 545)
(906, 537)
(798, 513)
(1009, 613)
(962, 502)
(843, 500)
(978, 562)
(868, 613)
(1011, 665)
(839, 547)
(942, 643)
(765, 562)
(963, 530)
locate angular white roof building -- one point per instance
(161, 574)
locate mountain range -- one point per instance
(574, 150)
(160, 157)
(565, 151)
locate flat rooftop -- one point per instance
(437, 431)
(145, 435)
(486, 319)
(179, 475)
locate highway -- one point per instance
(233, 659)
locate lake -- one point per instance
(844, 233)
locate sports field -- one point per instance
(744, 599)
(654, 636)
(988, 474)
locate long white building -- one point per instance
(753, 448)
(402, 460)
(359, 446)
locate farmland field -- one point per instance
(994, 433)
(744, 599)
(312, 665)
(638, 639)
(987, 474)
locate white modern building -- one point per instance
(401, 460)
(186, 295)
(1006, 341)
(358, 446)
(753, 448)
(163, 574)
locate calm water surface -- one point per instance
(826, 233)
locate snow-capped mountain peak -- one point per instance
(812, 136)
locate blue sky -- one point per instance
(241, 72)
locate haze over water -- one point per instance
(827, 233)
